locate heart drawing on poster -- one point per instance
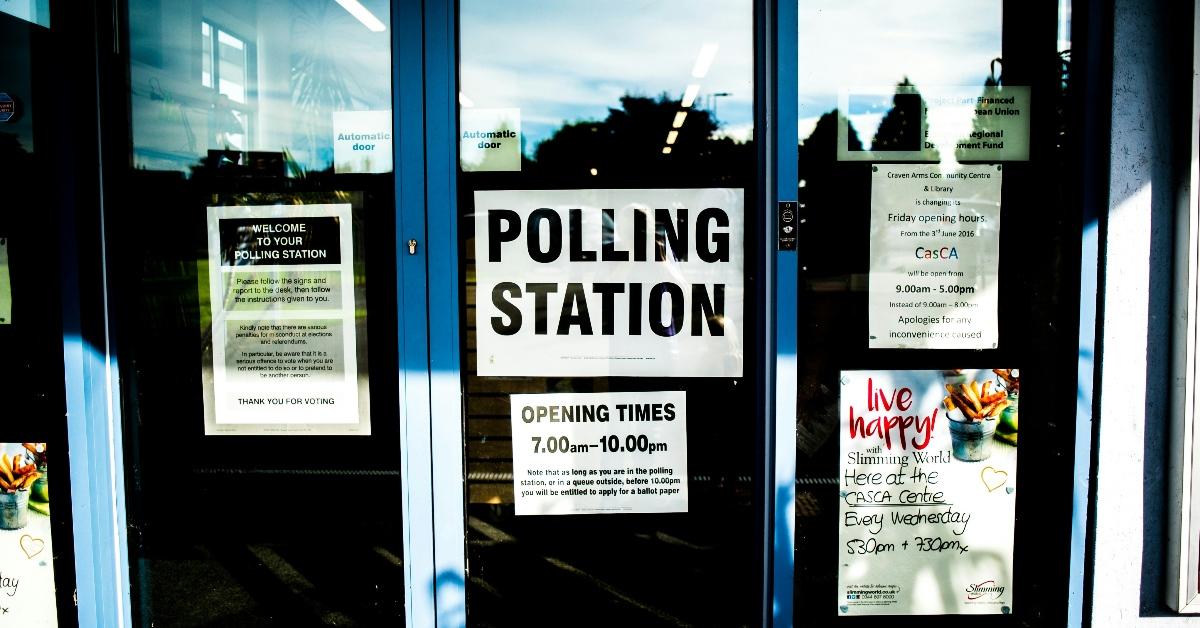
(31, 546)
(993, 478)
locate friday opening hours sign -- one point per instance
(935, 257)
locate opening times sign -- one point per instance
(284, 334)
(927, 494)
(600, 453)
(596, 283)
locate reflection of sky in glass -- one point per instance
(286, 66)
(873, 43)
(562, 61)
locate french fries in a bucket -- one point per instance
(975, 402)
(15, 475)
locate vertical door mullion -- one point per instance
(412, 335)
(90, 360)
(441, 144)
(784, 138)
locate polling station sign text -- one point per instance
(597, 283)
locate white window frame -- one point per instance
(1183, 554)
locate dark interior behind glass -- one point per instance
(231, 105)
(1039, 289)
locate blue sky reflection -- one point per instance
(870, 43)
(565, 61)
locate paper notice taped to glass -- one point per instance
(489, 139)
(600, 453)
(935, 257)
(284, 354)
(927, 492)
(26, 548)
(5, 285)
(362, 141)
(945, 123)
(609, 282)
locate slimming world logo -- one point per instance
(987, 587)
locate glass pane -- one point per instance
(256, 296)
(320, 64)
(36, 546)
(938, 227)
(610, 129)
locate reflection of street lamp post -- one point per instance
(714, 98)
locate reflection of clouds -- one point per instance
(738, 132)
(946, 42)
(549, 96)
(866, 124)
(573, 60)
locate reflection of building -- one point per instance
(224, 103)
(263, 76)
(225, 69)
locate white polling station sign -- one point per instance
(644, 283)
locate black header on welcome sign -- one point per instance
(280, 241)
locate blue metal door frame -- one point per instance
(92, 377)
(425, 106)
(425, 117)
(784, 136)
(413, 332)
(776, 118)
(428, 302)
(441, 154)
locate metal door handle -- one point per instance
(412, 247)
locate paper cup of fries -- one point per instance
(973, 411)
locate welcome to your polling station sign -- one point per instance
(285, 355)
(596, 283)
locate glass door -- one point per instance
(935, 294)
(255, 271)
(607, 205)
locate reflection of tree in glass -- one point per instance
(979, 124)
(831, 195)
(901, 127)
(626, 148)
(993, 87)
(835, 201)
(318, 85)
(12, 151)
(818, 161)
